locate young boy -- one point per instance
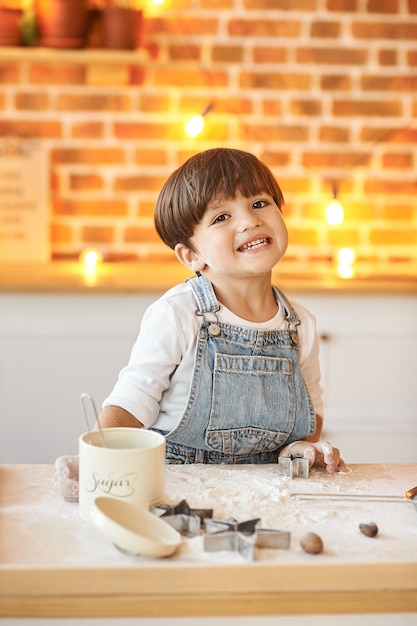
(225, 366)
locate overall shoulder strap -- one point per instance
(203, 293)
(289, 312)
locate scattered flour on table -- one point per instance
(240, 492)
(248, 492)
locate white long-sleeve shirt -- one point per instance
(154, 386)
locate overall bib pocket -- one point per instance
(259, 415)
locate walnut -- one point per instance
(312, 543)
(370, 529)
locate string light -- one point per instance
(195, 125)
(334, 212)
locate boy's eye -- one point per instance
(259, 204)
(220, 218)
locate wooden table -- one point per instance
(53, 564)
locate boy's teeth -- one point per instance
(253, 244)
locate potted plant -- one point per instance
(62, 23)
(10, 33)
(120, 24)
(28, 24)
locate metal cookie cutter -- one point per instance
(242, 537)
(294, 467)
(232, 541)
(182, 517)
(275, 539)
(216, 526)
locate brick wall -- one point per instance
(323, 91)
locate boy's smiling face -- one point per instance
(239, 237)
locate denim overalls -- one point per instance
(247, 396)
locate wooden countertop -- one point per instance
(133, 277)
(53, 564)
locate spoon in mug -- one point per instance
(84, 398)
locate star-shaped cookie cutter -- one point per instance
(182, 517)
(219, 535)
(242, 537)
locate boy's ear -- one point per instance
(189, 258)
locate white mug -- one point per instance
(130, 466)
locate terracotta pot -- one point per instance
(10, 34)
(120, 28)
(62, 23)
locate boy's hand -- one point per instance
(320, 454)
(66, 477)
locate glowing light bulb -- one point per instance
(194, 126)
(346, 256)
(90, 258)
(335, 213)
(345, 270)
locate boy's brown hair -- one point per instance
(186, 194)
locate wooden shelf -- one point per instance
(84, 55)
